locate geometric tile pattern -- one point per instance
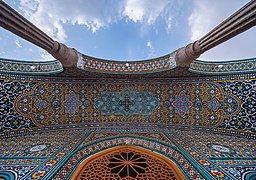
(197, 145)
(246, 118)
(177, 72)
(40, 104)
(78, 102)
(223, 103)
(26, 67)
(71, 103)
(214, 104)
(227, 104)
(19, 170)
(230, 67)
(22, 154)
(242, 172)
(55, 154)
(96, 136)
(22, 146)
(9, 91)
(182, 104)
(164, 63)
(233, 147)
(188, 169)
(127, 103)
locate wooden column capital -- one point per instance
(67, 56)
(185, 55)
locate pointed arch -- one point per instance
(127, 162)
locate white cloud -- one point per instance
(134, 11)
(168, 21)
(207, 14)
(2, 52)
(144, 10)
(54, 16)
(151, 52)
(45, 55)
(29, 50)
(149, 44)
(202, 19)
(51, 16)
(18, 44)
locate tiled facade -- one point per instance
(205, 125)
(52, 157)
(224, 67)
(225, 103)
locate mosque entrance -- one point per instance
(127, 163)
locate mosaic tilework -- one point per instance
(178, 72)
(246, 92)
(20, 170)
(133, 67)
(9, 91)
(127, 103)
(228, 162)
(103, 135)
(20, 161)
(69, 147)
(239, 147)
(71, 103)
(22, 67)
(97, 99)
(226, 104)
(182, 104)
(242, 172)
(21, 146)
(188, 168)
(58, 157)
(230, 67)
(235, 155)
(25, 154)
(200, 158)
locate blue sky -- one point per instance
(126, 29)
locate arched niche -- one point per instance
(127, 162)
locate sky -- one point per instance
(127, 30)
